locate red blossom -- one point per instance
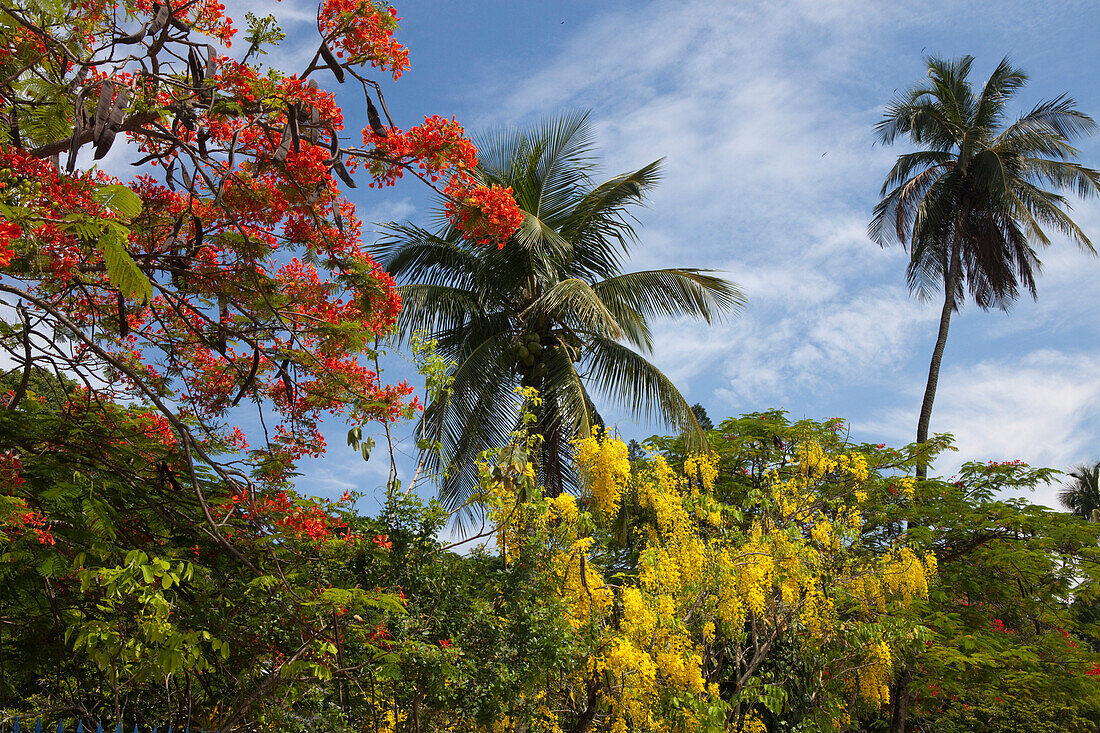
(363, 31)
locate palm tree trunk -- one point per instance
(937, 356)
(547, 424)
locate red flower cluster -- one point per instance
(439, 147)
(10, 468)
(1094, 670)
(9, 230)
(363, 31)
(21, 518)
(485, 214)
(301, 518)
(383, 541)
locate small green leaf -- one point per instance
(119, 199)
(123, 272)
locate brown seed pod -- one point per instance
(331, 62)
(375, 121)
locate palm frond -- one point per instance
(434, 308)
(637, 385)
(408, 252)
(673, 293)
(600, 227)
(574, 302)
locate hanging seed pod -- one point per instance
(160, 19)
(331, 62)
(186, 116)
(203, 135)
(113, 124)
(341, 171)
(375, 121)
(178, 23)
(223, 330)
(142, 161)
(201, 171)
(288, 384)
(211, 60)
(14, 128)
(78, 129)
(249, 379)
(284, 144)
(134, 37)
(123, 321)
(196, 241)
(228, 169)
(194, 67)
(292, 122)
(103, 108)
(333, 148)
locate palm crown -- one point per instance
(971, 203)
(1082, 492)
(550, 310)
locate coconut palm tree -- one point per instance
(970, 204)
(1082, 492)
(550, 310)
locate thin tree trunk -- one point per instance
(937, 356)
(900, 703)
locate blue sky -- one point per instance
(764, 112)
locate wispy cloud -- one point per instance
(1042, 408)
(764, 113)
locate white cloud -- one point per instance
(1042, 408)
(765, 113)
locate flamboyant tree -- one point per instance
(228, 275)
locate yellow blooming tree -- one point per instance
(705, 589)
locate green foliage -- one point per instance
(1002, 614)
(121, 268)
(1015, 712)
(262, 32)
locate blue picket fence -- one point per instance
(79, 728)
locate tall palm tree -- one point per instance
(550, 310)
(1082, 493)
(969, 205)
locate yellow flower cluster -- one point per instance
(873, 679)
(702, 470)
(602, 461)
(906, 576)
(713, 580)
